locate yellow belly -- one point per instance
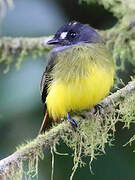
(78, 94)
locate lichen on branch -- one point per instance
(118, 7)
(93, 133)
(14, 50)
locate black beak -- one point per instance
(53, 41)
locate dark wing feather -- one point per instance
(43, 87)
(46, 77)
(47, 121)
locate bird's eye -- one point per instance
(73, 34)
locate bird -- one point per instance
(78, 75)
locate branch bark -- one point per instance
(16, 49)
(15, 160)
(16, 45)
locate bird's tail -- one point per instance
(46, 123)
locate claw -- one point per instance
(72, 121)
(98, 108)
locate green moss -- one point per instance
(118, 7)
(120, 41)
(15, 175)
(15, 50)
(90, 138)
(127, 111)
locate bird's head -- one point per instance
(73, 33)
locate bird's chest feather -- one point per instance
(78, 91)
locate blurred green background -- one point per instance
(21, 110)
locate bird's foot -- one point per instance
(72, 121)
(99, 108)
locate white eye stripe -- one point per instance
(63, 35)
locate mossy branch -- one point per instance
(120, 40)
(16, 45)
(118, 7)
(10, 165)
(16, 49)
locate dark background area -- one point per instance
(21, 110)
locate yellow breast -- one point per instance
(79, 91)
